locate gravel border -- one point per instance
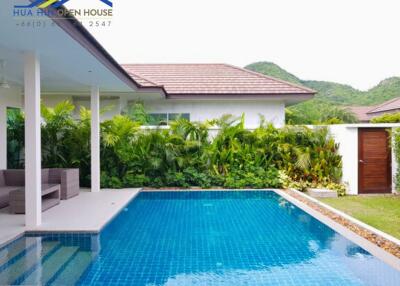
(380, 241)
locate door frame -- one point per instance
(389, 160)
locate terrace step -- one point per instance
(74, 270)
(45, 271)
(10, 252)
(26, 262)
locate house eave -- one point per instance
(79, 33)
(225, 96)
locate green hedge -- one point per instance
(387, 118)
(183, 155)
(396, 143)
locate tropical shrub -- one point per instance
(137, 113)
(303, 186)
(387, 118)
(255, 178)
(396, 142)
(173, 179)
(339, 188)
(184, 155)
(318, 112)
(193, 177)
(135, 180)
(15, 138)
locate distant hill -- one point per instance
(274, 70)
(336, 93)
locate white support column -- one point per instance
(123, 103)
(33, 176)
(3, 137)
(95, 138)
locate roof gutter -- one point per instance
(243, 96)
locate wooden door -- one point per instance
(374, 161)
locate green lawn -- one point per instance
(381, 212)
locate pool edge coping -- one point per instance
(351, 218)
(99, 228)
(48, 231)
(369, 246)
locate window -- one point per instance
(158, 119)
(166, 118)
(175, 116)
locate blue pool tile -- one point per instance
(203, 238)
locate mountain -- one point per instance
(332, 92)
(339, 94)
(274, 70)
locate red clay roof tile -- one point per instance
(360, 112)
(389, 105)
(210, 79)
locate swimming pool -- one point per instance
(198, 238)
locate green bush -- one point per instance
(135, 180)
(108, 181)
(15, 138)
(156, 182)
(257, 179)
(387, 118)
(318, 112)
(195, 178)
(183, 155)
(396, 142)
(175, 179)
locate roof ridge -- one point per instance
(383, 104)
(272, 78)
(369, 107)
(146, 64)
(143, 78)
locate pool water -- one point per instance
(198, 238)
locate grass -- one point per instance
(381, 212)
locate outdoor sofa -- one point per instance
(65, 182)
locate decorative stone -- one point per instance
(322, 193)
(381, 242)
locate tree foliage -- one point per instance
(331, 98)
(185, 154)
(396, 142)
(318, 112)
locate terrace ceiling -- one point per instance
(66, 65)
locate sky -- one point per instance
(354, 42)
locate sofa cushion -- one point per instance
(2, 181)
(14, 177)
(55, 176)
(45, 176)
(4, 195)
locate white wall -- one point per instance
(53, 100)
(11, 97)
(202, 110)
(348, 149)
(347, 137)
(108, 108)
